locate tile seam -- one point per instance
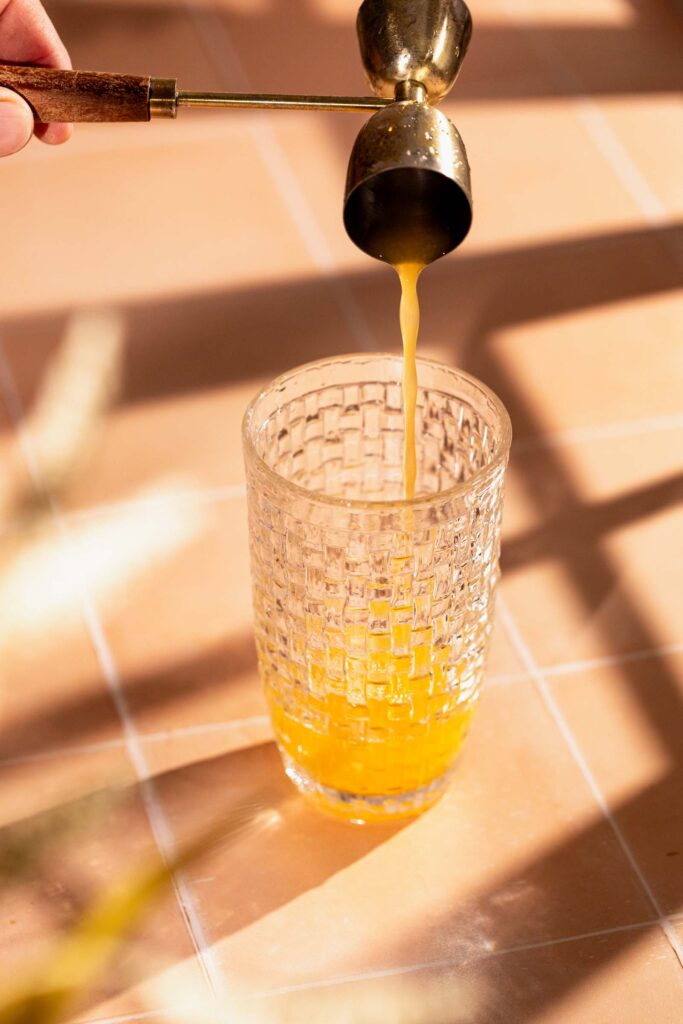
(454, 961)
(153, 809)
(604, 137)
(218, 46)
(414, 968)
(581, 762)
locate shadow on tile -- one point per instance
(285, 849)
(144, 39)
(261, 331)
(57, 861)
(629, 753)
(288, 848)
(321, 55)
(571, 533)
(83, 716)
(267, 847)
(518, 998)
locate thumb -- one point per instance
(16, 122)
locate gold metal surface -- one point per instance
(162, 97)
(411, 91)
(408, 196)
(421, 40)
(277, 101)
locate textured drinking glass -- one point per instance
(373, 613)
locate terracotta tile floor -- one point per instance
(159, 275)
(83, 818)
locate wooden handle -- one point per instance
(57, 96)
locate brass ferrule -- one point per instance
(163, 97)
(410, 90)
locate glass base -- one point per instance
(363, 808)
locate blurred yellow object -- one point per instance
(48, 993)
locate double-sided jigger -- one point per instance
(408, 184)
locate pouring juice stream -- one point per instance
(415, 724)
(409, 316)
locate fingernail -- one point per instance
(16, 123)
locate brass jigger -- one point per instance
(408, 185)
(408, 193)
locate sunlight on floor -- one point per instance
(38, 587)
(76, 392)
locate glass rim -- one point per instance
(500, 452)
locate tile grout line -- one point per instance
(158, 736)
(160, 826)
(605, 139)
(608, 143)
(130, 1018)
(599, 432)
(613, 151)
(389, 972)
(454, 961)
(155, 814)
(555, 713)
(200, 496)
(217, 44)
(103, 652)
(77, 750)
(202, 728)
(568, 668)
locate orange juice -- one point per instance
(409, 316)
(369, 698)
(388, 725)
(384, 748)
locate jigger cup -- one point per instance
(408, 195)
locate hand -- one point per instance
(27, 36)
